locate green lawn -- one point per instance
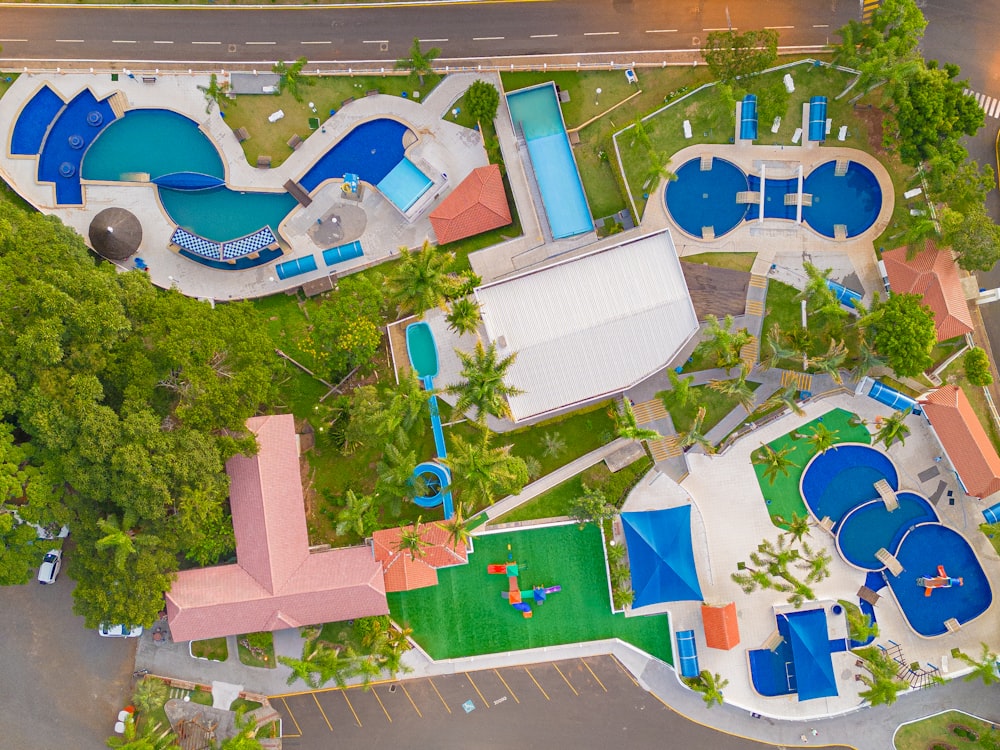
(213, 649)
(783, 308)
(717, 405)
(465, 615)
(935, 731)
(252, 659)
(732, 261)
(782, 497)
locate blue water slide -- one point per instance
(295, 267)
(845, 296)
(687, 652)
(817, 118)
(891, 397)
(992, 514)
(341, 253)
(748, 119)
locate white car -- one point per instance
(119, 631)
(43, 532)
(49, 570)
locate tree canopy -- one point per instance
(902, 331)
(482, 99)
(731, 55)
(974, 237)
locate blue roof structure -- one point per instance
(811, 653)
(660, 556)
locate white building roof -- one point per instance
(590, 326)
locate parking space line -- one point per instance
(344, 693)
(443, 701)
(322, 713)
(536, 684)
(624, 671)
(407, 694)
(478, 691)
(594, 675)
(565, 679)
(375, 693)
(653, 693)
(292, 717)
(512, 694)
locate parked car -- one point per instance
(50, 532)
(49, 570)
(119, 631)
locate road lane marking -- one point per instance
(407, 694)
(600, 33)
(821, 25)
(292, 717)
(544, 36)
(162, 42)
(344, 693)
(443, 702)
(324, 41)
(536, 684)
(375, 693)
(778, 28)
(722, 28)
(565, 679)
(322, 712)
(206, 42)
(512, 695)
(487, 38)
(123, 41)
(24, 40)
(375, 41)
(69, 41)
(594, 675)
(261, 42)
(661, 31)
(432, 41)
(478, 691)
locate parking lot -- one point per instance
(580, 703)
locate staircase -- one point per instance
(664, 448)
(748, 196)
(706, 162)
(840, 231)
(840, 170)
(649, 411)
(757, 281)
(750, 351)
(802, 381)
(119, 103)
(708, 233)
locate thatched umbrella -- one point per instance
(115, 233)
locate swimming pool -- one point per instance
(371, 150)
(802, 662)
(33, 122)
(871, 527)
(421, 349)
(74, 129)
(222, 214)
(404, 184)
(698, 199)
(536, 115)
(844, 477)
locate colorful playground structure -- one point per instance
(940, 581)
(513, 594)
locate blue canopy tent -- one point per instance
(660, 556)
(817, 118)
(811, 653)
(748, 119)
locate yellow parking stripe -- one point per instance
(292, 717)
(478, 691)
(322, 713)
(624, 671)
(375, 693)
(406, 693)
(565, 679)
(536, 684)
(512, 694)
(592, 674)
(344, 693)
(443, 702)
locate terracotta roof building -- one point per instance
(933, 274)
(277, 582)
(964, 440)
(477, 205)
(722, 629)
(402, 571)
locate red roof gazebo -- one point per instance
(477, 205)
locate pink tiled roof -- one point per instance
(933, 274)
(277, 583)
(402, 572)
(477, 205)
(963, 437)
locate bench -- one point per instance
(346, 101)
(149, 79)
(294, 142)
(263, 162)
(242, 134)
(372, 92)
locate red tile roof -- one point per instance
(934, 274)
(722, 630)
(402, 572)
(477, 205)
(964, 439)
(276, 583)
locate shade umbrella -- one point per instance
(115, 233)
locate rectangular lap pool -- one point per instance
(404, 184)
(537, 118)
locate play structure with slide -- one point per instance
(940, 581)
(422, 351)
(513, 594)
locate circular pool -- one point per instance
(707, 198)
(870, 527)
(837, 481)
(852, 200)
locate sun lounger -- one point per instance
(798, 135)
(909, 194)
(789, 83)
(842, 134)
(776, 124)
(275, 116)
(866, 594)
(829, 125)
(687, 129)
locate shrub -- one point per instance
(977, 367)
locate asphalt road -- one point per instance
(384, 34)
(61, 686)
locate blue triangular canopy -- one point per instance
(660, 556)
(811, 654)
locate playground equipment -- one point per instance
(940, 581)
(422, 351)
(351, 183)
(514, 594)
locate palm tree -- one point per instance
(483, 472)
(483, 386)
(149, 737)
(358, 516)
(893, 429)
(246, 734)
(786, 397)
(710, 686)
(553, 444)
(984, 668)
(694, 436)
(457, 527)
(868, 358)
(216, 94)
(831, 362)
(119, 538)
(737, 388)
(412, 540)
(680, 392)
(656, 169)
(394, 473)
(626, 425)
(420, 280)
(290, 77)
(777, 348)
(816, 563)
(821, 438)
(774, 462)
(463, 317)
(149, 695)
(407, 405)
(725, 345)
(820, 299)
(798, 527)
(419, 63)
(623, 597)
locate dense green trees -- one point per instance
(973, 236)
(419, 62)
(977, 367)
(347, 328)
(482, 99)
(731, 55)
(901, 330)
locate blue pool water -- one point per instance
(371, 151)
(223, 214)
(922, 550)
(404, 184)
(835, 482)
(33, 122)
(82, 120)
(535, 112)
(870, 527)
(699, 199)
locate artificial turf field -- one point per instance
(465, 614)
(783, 497)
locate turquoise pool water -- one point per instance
(844, 477)
(421, 349)
(222, 214)
(404, 184)
(535, 114)
(870, 527)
